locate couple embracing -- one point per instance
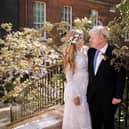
(94, 88)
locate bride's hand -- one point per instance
(76, 100)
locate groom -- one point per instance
(106, 84)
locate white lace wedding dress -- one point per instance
(77, 117)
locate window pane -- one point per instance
(66, 14)
(38, 14)
(94, 16)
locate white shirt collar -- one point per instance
(103, 50)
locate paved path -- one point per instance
(52, 119)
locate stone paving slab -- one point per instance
(51, 119)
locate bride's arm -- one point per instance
(74, 91)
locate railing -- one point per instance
(122, 113)
(41, 94)
(51, 91)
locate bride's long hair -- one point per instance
(69, 57)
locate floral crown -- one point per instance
(73, 36)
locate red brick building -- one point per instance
(32, 13)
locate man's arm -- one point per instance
(120, 84)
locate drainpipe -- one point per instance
(26, 13)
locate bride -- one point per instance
(76, 111)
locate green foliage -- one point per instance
(121, 58)
(119, 31)
(119, 27)
(59, 76)
(124, 8)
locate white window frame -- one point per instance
(41, 15)
(94, 13)
(66, 13)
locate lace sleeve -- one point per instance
(69, 75)
(72, 88)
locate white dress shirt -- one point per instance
(99, 58)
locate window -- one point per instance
(39, 15)
(94, 16)
(66, 15)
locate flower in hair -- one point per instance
(73, 36)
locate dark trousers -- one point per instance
(102, 115)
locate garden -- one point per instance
(31, 72)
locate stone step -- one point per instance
(4, 117)
(3, 120)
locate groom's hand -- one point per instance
(76, 101)
(116, 101)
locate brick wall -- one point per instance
(80, 8)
